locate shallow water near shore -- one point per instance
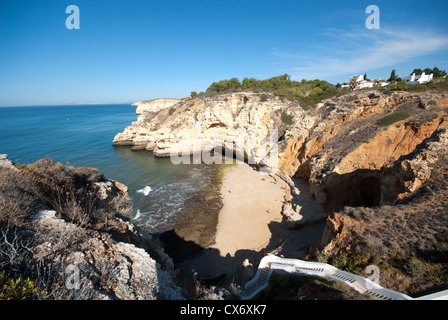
(82, 135)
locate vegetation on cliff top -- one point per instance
(310, 92)
(435, 71)
(440, 81)
(306, 92)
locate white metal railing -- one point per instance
(271, 263)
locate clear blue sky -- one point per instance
(127, 50)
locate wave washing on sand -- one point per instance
(162, 204)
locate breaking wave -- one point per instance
(137, 215)
(146, 190)
(160, 209)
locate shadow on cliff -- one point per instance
(360, 188)
(372, 187)
(210, 268)
(178, 248)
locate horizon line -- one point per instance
(67, 104)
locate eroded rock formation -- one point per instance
(340, 147)
(350, 159)
(224, 122)
(95, 266)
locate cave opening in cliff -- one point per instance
(227, 153)
(361, 188)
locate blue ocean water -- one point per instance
(82, 135)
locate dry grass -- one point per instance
(28, 250)
(71, 193)
(18, 196)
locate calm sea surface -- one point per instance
(81, 135)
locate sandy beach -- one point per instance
(251, 201)
(250, 226)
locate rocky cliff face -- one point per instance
(349, 158)
(408, 241)
(86, 248)
(344, 151)
(239, 123)
(383, 184)
(93, 266)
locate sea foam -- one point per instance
(146, 190)
(137, 215)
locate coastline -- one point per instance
(249, 225)
(195, 228)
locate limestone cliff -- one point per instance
(66, 229)
(408, 241)
(344, 151)
(223, 122)
(95, 266)
(374, 160)
(383, 184)
(349, 158)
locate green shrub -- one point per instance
(387, 92)
(171, 111)
(341, 262)
(307, 92)
(286, 118)
(316, 91)
(392, 118)
(354, 263)
(263, 97)
(18, 289)
(418, 268)
(400, 86)
(441, 85)
(417, 88)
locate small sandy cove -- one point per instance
(249, 225)
(251, 200)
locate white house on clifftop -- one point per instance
(418, 79)
(362, 83)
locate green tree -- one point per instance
(247, 83)
(393, 76)
(427, 71)
(193, 94)
(417, 72)
(225, 85)
(438, 73)
(234, 83)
